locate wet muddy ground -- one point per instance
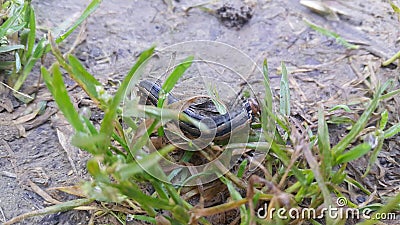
(321, 71)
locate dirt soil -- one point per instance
(36, 153)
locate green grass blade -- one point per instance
(107, 124)
(395, 8)
(384, 120)
(62, 207)
(9, 48)
(7, 27)
(319, 177)
(147, 219)
(86, 80)
(130, 189)
(120, 140)
(143, 139)
(267, 122)
(170, 82)
(337, 107)
(339, 176)
(32, 32)
(236, 196)
(242, 168)
(284, 102)
(47, 79)
(354, 153)
(281, 154)
(93, 167)
(324, 144)
(18, 64)
(128, 170)
(63, 100)
(94, 4)
(15, 28)
(331, 34)
(390, 94)
(374, 156)
(215, 98)
(37, 54)
(392, 59)
(92, 129)
(135, 110)
(60, 94)
(88, 143)
(361, 122)
(158, 187)
(395, 129)
(356, 184)
(173, 78)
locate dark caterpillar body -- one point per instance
(223, 124)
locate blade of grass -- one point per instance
(337, 107)
(395, 8)
(384, 120)
(18, 64)
(148, 203)
(361, 122)
(65, 206)
(284, 102)
(57, 88)
(281, 154)
(170, 82)
(126, 171)
(357, 184)
(173, 78)
(353, 153)
(88, 143)
(236, 197)
(9, 48)
(374, 156)
(215, 98)
(6, 27)
(331, 34)
(86, 80)
(324, 144)
(159, 189)
(392, 59)
(147, 219)
(32, 32)
(37, 54)
(242, 167)
(390, 94)
(395, 129)
(107, 124)
(93, 167)
(94, 4)
(133, 109)
(339, 176)
(268, 122)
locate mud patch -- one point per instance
(234, 17)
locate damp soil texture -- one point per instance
(35, 152)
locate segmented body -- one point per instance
(223, 124)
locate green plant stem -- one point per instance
(391, 60)
(65, 206)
